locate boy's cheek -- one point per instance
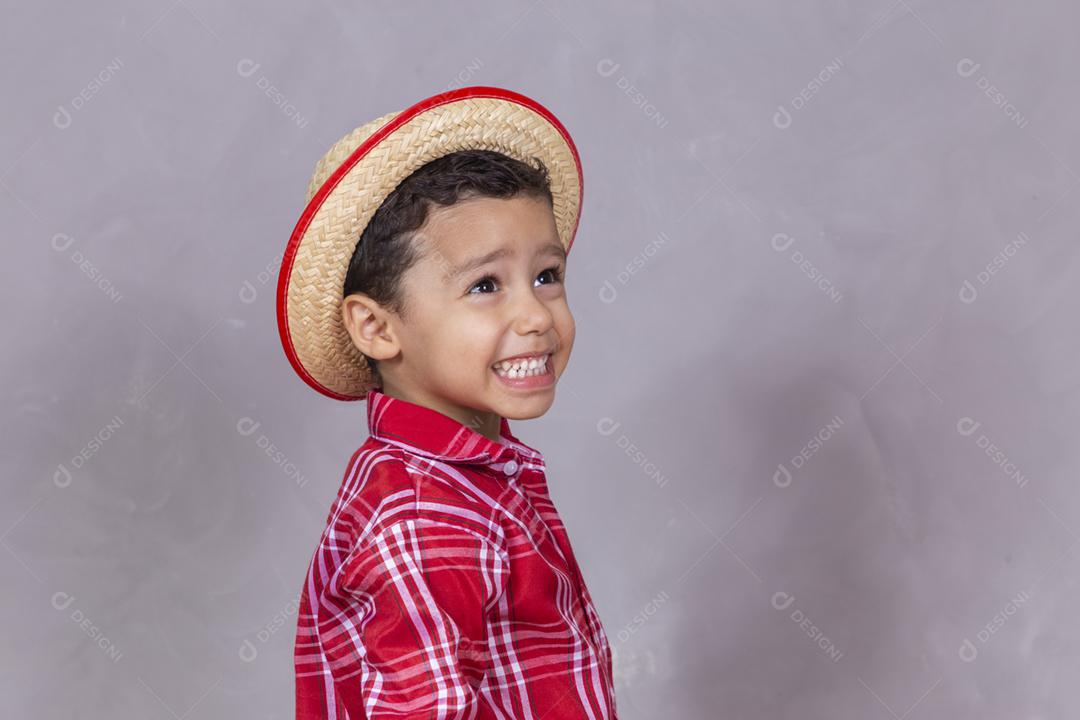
(564, 354)
(570, 333)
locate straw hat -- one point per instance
(355, 176)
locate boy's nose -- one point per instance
(531, 314)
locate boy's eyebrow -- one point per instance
(476, 262)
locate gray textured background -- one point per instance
(816, 447)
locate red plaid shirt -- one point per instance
(444, 585)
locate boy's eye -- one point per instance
(555, 272)
(484, 281)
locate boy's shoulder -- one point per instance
(385, 485)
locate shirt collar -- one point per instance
(427, 432)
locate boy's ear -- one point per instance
(370, 327)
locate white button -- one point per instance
(510, 467)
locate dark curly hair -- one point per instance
(385, 251)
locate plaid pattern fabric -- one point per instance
(445, 585)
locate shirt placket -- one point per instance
(582, 617)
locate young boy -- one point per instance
(426, 277)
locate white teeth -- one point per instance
(522, 368)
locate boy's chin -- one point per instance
(525, 407)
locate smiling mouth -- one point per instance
(523, 367)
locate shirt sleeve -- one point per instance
(403, 622)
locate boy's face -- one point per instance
(464, 315)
